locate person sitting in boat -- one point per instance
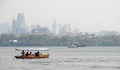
(23, 53)
(27, 54)
(37, 53)
(30, 53)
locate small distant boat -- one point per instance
(73, 46)
(76, 46)
(39, 53)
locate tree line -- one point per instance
(55, 40)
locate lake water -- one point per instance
(63, 58)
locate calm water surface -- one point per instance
(63, 58)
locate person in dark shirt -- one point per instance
(27, 54)
(23, 53)
(37, 53)
(30, 53)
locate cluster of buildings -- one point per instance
(19, 26)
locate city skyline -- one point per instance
(87, 16)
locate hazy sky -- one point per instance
(87, 15)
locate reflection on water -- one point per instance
(62, 58)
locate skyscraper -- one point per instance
(19, 25)
(5, 28)
(40, 30)
(54, 27)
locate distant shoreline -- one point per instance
(57, 46)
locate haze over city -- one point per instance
(86, 15)
(59, 34)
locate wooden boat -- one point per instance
(43, 53)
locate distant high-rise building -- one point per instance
(19, 25)
(5, 28)
(40, 30)
(54, 27)
(64, 29)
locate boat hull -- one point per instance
(33, 56)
